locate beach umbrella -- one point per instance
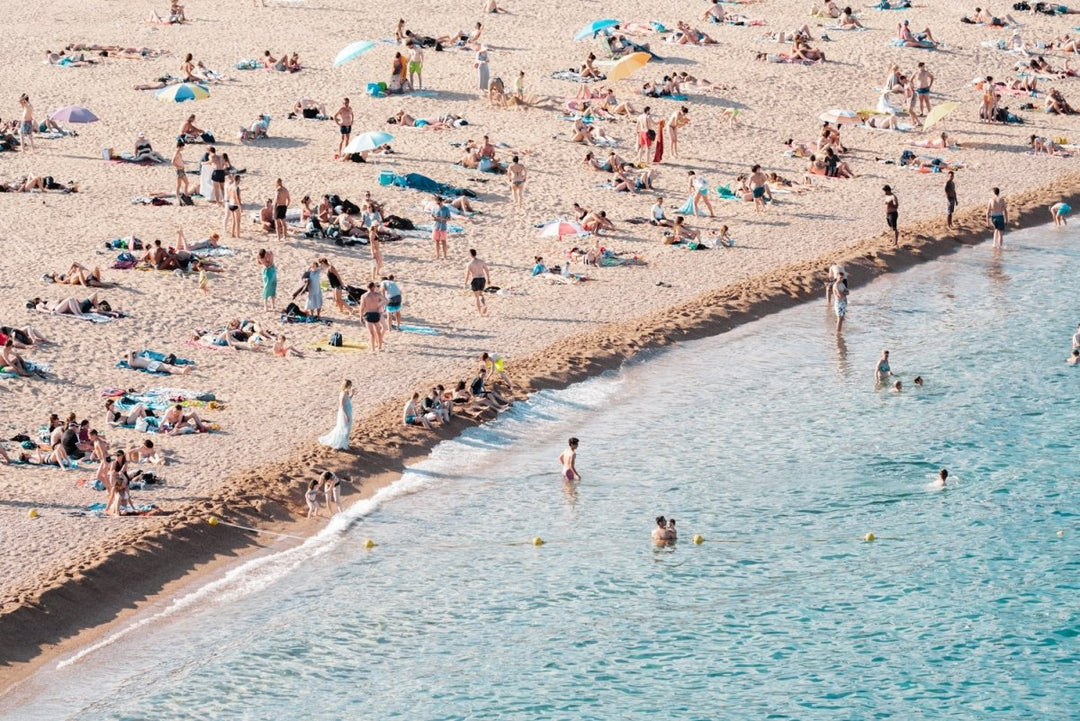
(594, 27)
(628, 66)
(368, 141)
(840, 117)
(352, 52)
(73, 114)
(559, 228)
(938, 113)
(182, 93)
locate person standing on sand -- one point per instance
(26, 126)
(678, 120)
(217, 176)
(950, 199)
(178, 167)
(997, 215)
(234, 204)
(441, 214)
(416, 65)
(372, 304)
(759, 188)
(515, 174)
(477, 277)
(923, 80)
(567, 459)
(344, 118)
(481, 66)
(338, 438)
(892, 213)
(331, 492)
(643, 125)
(281, 209)
(311, 496)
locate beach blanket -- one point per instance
(98, 509)
(92, 317)
(155, 356)
(159, 399)
(130, 159)
(31, 367)
(421, 329)
(574, 77)
(425, 184)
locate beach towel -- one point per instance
(160, 358)
(31, 367)
(324, 345)
(574, 77)
(163, 398)
(421, 329)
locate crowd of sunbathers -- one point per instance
(475, 399)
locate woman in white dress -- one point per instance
(338, 438)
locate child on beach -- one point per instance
(312, 498)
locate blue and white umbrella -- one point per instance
(182, 93)
(594, 27)
(352, 52)
(368, 141)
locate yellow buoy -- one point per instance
(538, 541)
(869, 537)
(33, 513)
(369, 543)
(699, 539)
(212, 520)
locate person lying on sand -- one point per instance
(78, 275)
(25, 337)
(214, 241)
(75, 60)
(134, 360)
(39, 184)
(74, 306)
(801, 50)
(826, 10)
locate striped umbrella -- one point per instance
(182, 93)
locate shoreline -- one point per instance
(79, 604)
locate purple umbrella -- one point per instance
(73, 114)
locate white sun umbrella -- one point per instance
(840, 117)
(351, 52)
(368, 141)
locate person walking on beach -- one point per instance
(923, 80)
(567, 459)
(372, 304)
(950, 199)
(515, 173)
(892, 213)
(997, 215)
(178, 167)
(281, 209)
(840, 294)
(477, 277)
(269, 279)
(344, 118)
(26, 126)
(338, 438)
(481, 66)
(441, 214)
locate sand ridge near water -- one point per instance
(551, 333)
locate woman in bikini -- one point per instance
(116, 417)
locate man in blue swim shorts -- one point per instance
(997, 215)
(923, 80)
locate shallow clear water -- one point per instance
(772, 443)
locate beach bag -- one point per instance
(335, 340)
(185, 199)
(292, 310)
(398, 223)
(207, 136)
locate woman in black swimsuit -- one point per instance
(336, 284)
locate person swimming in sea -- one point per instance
(897, 387)
(567, 459)
(1074, 359)
(942, 475)
(661, 535)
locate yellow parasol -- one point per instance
(628, 66)
(938, 113)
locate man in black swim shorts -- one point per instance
(477, 276)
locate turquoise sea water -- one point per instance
(772, 443)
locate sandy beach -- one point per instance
(58, 565)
